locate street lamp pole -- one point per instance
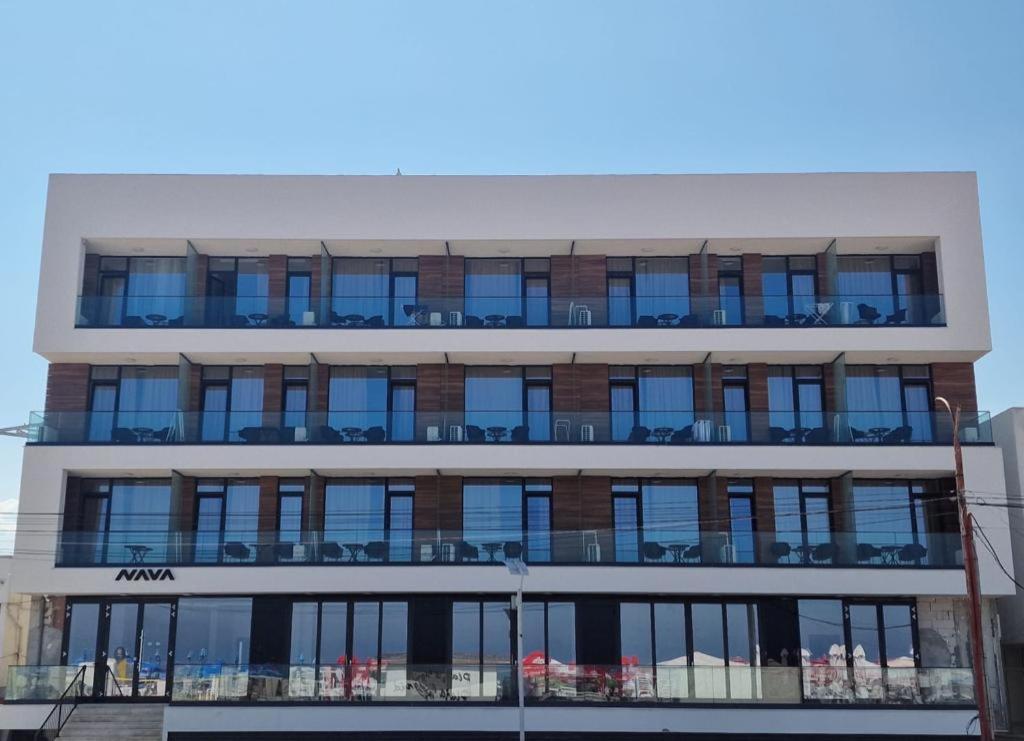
(972, 579)
(518, 567)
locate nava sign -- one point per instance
(144, 575)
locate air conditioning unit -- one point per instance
(586, 433)
(301, 435)
(308, 319)
(454, 318)
(455, 433)
(718, 317)
(435, 319)
(724, 433)
(433, 434)
(592, 553)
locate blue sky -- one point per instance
(505, 87)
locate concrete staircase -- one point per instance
(109, 721)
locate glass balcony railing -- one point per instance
(335, 683)
(671, 682)
(511, 312)
(495, 427)
(680, 545)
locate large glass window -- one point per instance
(212, 646)
(789, 288)
(742, 528)
(903, 522)
(889, 404)
(301, 310)
(125, 520)
(238, 291)
(730, 291)
(374, 292)
(141, 291)
(370, 519)
(492, 519)
(653, 403)
(656, 520)
(233, 404)
(134, 404)
(736, 414)
(494, 292)
(881, 289)
(538, 521)
(803, 532)
(227, 520)
(662, 290)
(796, 404)
(508, 404)
(371, 404)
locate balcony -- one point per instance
(497, 427)
(545, 684)
(511, 312)
(645, 547)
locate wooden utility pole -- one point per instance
(973, 582)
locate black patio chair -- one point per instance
(331, 551)
(513, 550)
(639, 434)
(912, 552)
(867, 314)
(654, 551)
(777, 435)
(867, 553)
(897, 317)
(375, 435)
(474, 322)
(328, 434)
(898, 435)
(467, 552)
(123, 435)
(780, 550)
(475, 434)
(771, 320)
(693, 554)
(376, 550)
(823, 553)
(816, 436)
(514, 321)
(646, 321)
(691, 321)
(683, 435)
(237, 551)
(520, 434)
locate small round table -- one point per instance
(156, 320)
(354, 320)
(663, 433)
(664, 320)
(352, 432)
(878, 433)
(144, 434)
(354, 549)
(138, 552)
(258, 319)
(677, 550)
(494, 320)
(491, 549)
(496, 433)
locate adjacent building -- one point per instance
(306, 441)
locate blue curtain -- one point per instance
(867, 280)
(140, 514)
(494, 398)
(148, 397)
(874, 399)
(360, 287)
(354, 512)
(246, 400)
(662, 286)
(494, 288)
(156, 285)
(670, 513)
(358, 397)
(492, 514)
(666, 396)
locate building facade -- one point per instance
(307, 440)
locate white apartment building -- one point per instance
(307, 439)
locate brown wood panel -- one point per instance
(955, 382)
(67, 387)
(753, 269)
(273, 388)
(590, 275)
(829, 385)
(72, 504)
(187, 508)
(596, 514)
(314, 506)
(563, 388)
(821, 268)
(716, 390)
(707, 505)
(277, 279)
(453, 388)
(267, 519)
(449, 504)
(431, 278)
(929, 273)
(757, 393)
(424, 503)
(323, 388)
(711, 281)
(91, 275)
(437, 504)
(696, 279)
(566, 518)
(593, 395)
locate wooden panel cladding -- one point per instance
(582, 388)
(273, 388)
(828, 373)
(67, 387)
(929, 274)
(323, 388)
(757, 395)
(437, 503)
(441, 276)
(72, 519)
(277, 279)
(821, 268)
(581, 513)
(91, 275)
(579, 280)
(753, 270)
(314, 505)
(705, 400)
(955, 383)
(187, 508)
(440, 387)
(267, 519)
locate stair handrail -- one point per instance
(113, 676)
(77, 684)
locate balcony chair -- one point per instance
(328, 434)
(898, 436)
(682, 435)
(868, 553)
(780, 550)
(796, 320)
(778, 435)
(376, 321)
(513, 550)
(331, 551)
(563, 429)
(475, 434)
(654, 551)
(520, 434)
(162, 435)
(284, 551)
(474, 322)
(912, 552)
(279, 321)
(466, 551)
(178, 321)
(134, 321)
(237, 551)
(375, 435)
(639, 434)
(646, 321)
(337, 320)
(817, 436)
(514, 321)
(690, 321)
(823, 553)
(867, 314)
(897, 317)
(693, 554)
(123, 435)
(376, 550)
